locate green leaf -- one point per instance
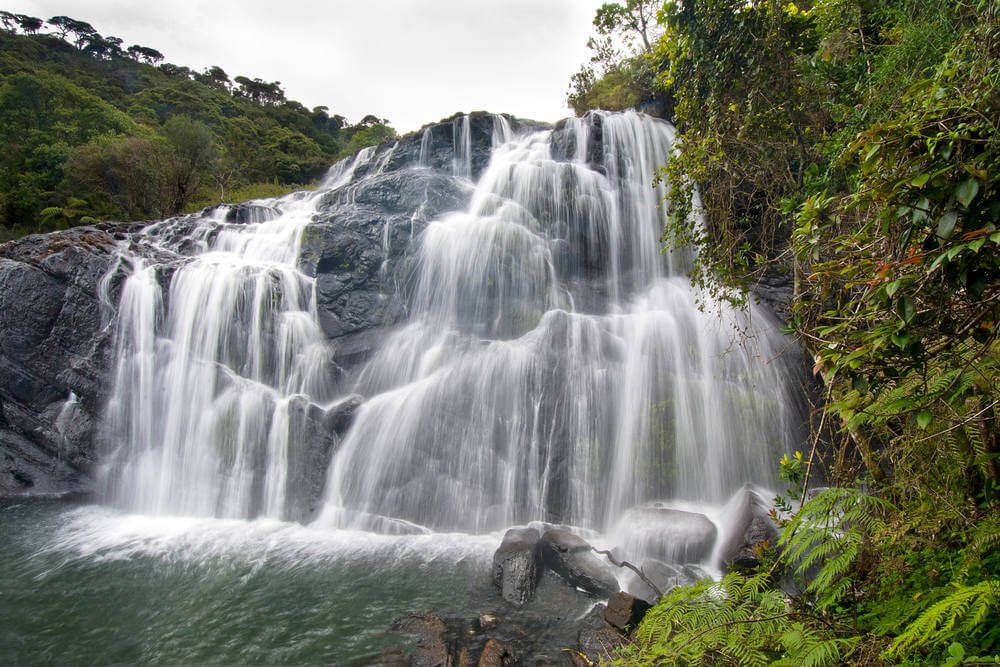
(924, 418)
(906, 309)
(967, 191)
(901, 340)
(892, 287)
(920, 179)
(946, 224)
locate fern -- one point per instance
(825, 538)
(738, 621)
(960, 614)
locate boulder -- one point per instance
(516, 565)
(624, 611)
(665, 576)
(573, 559)
(596, 640)
(749, 529)
(668, 534)
(495, 654)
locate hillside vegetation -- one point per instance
(856, 145)
(94, 130)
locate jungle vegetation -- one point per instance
(93, 129)
(854, 144)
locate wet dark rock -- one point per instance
(360, 244)
(249, 213)
(667, 533)
(516, 565)
(776, 290)
(572, 558)
(340, 416)
(309, 461)
(751, 529)
(53, 345)
(495, 654)
(597, 639)
(624, 611)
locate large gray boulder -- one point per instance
(573, 559)
(516, 565)
(668, 534)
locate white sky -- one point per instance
(411, 61)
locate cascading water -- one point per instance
(556, 364)
(553, 363)
(211, 370)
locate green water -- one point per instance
(84, 585)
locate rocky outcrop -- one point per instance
(53, 355)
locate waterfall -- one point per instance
(551, 361)
(462, 140)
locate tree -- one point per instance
(260, 91)
(216, 77)
(122, 177)
(103, 47)
(81, 30)
(29, 24)
(179, 71)
(195, 151)
(144, 54)
(619, 74)
(629, 19)
(9, 20)
(61, 24)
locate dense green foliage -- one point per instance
(92, 130)
(856, 145)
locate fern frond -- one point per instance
(961, 612)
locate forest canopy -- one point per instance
(94, 129)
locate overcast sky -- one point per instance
(411, 61)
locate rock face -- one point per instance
(750, 529)
(53, 353)
(516, 565)
(573, 559)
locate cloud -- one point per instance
(412, 61)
